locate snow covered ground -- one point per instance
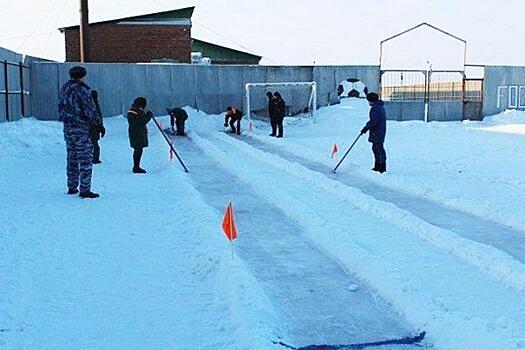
(321, 259)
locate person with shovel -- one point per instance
(376, 128)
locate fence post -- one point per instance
(22, 92)
(6, 86)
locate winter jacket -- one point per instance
(95, 130)
(377, 123)
(76, 107)
(272, 108)
(178, 115)
(138, 131)
(280, 108)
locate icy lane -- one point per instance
(466, 225)
(458, 304)
(317, 299)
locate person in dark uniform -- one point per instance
(376, 127)
(272, 112)
(77, 111)
(138, 119)
(178, 117)
(280, 113)
(96, 132)
(234, 115)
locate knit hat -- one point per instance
(77, 72)
(140, 102)
(372, 97)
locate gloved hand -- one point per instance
(94, 94)
(102, 130)
(226, 125)
(364, 130)
(149, 114)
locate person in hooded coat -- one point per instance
(138, 118)
(376, 128)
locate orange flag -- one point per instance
(334, 150)
(228, 223)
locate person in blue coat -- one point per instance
(376, 128)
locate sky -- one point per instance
(294, 32)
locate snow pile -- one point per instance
(144, 266)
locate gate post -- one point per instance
(22, 92)
(6, 86)
(427, 93)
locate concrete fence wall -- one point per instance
(504, 87)
(208, 88)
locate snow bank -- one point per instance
(144, 266)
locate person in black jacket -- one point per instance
(234, 115)
(280, 113)
(272, 112)
(178, 117)
(138, 118)
(96, 132)
(376, 127)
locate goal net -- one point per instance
(300, 98)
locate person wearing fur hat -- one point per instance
(376, 128)
(138, 118)
(77, 111)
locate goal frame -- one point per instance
(312, 101)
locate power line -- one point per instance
(42, 19)
(216, 32)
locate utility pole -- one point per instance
(84, 31)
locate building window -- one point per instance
(513, 97)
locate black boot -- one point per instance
(72, 191)
(137, 154)
(382, 168)
(88, 194)
(139, 170)
(376, 166)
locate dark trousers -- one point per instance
(180, 127)
(96, 149)
(137, 154)
(379, 153)
(232, 125)
(277, 126)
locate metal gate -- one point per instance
(430, 95)
(440, 95)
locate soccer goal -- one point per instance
(300, 98)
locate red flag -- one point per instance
(334, 150)
(171, 153)
(228, 223)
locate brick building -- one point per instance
(161, 36)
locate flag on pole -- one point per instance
(250, 126)
(228, 223)
(171, 153)
(334, 150)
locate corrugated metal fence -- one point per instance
(14, 86)
(207, 88)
